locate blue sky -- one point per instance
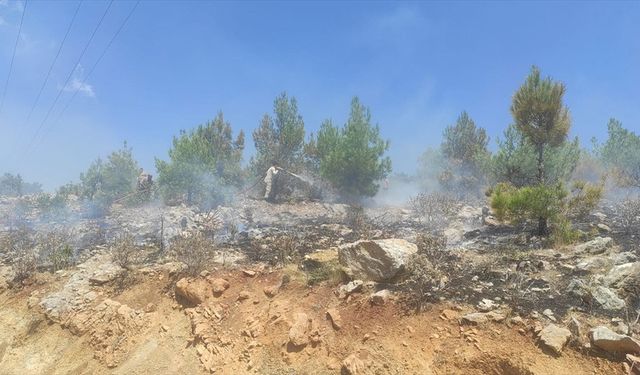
(416, 65)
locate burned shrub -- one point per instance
(19, 245)
(628, 212)
(359, 222)
(584, 198)
(424, 278)
(286, 245)
(424, 275)
(435, 210)
(430, 244)
(56, 251)
(210, 222)
(51, 206)
(124, 251)
(193, 249)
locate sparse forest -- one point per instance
(494, 231)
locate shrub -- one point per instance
(328, 271)
(286, 246)
(553, 203)
(20, 244)
(193, 249)
(424, 274)
(56, 250)
(105, 182)
(621, 153)
(124, 251)
(357, 219)
(584, 199)
(629, 214)
(51, 205)
(435, 210)
(527, 203)
(422, 281)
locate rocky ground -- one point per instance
(318, 288)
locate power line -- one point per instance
(70, 75)
(55, 59)
(124, 22)
(15, 47)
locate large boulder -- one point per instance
(377, 260)
(604, 338)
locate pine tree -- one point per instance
(539, 113)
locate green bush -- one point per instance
(553, 203)
(584, 199)
(105, 182)
(464, 148)
(621, 153)
(14, 185)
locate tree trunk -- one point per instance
(541, 164)
(542, 221)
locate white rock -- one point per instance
(607, 299)
(604, 338)
(377, 260)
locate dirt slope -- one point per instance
(245, 331)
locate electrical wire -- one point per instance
(55, 59)
(84, 50)
(13, 56)
(124, 22)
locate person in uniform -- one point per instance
(269, 191)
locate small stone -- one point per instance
(449, 314)
(299, 332)
(150, 307)
(486, 305)
(474, 319)
(380, 297)
(335, 318)
(554, 337)
(219, 286)
(243, 295)
(351, 287)
(249, 273)
(271, 291)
